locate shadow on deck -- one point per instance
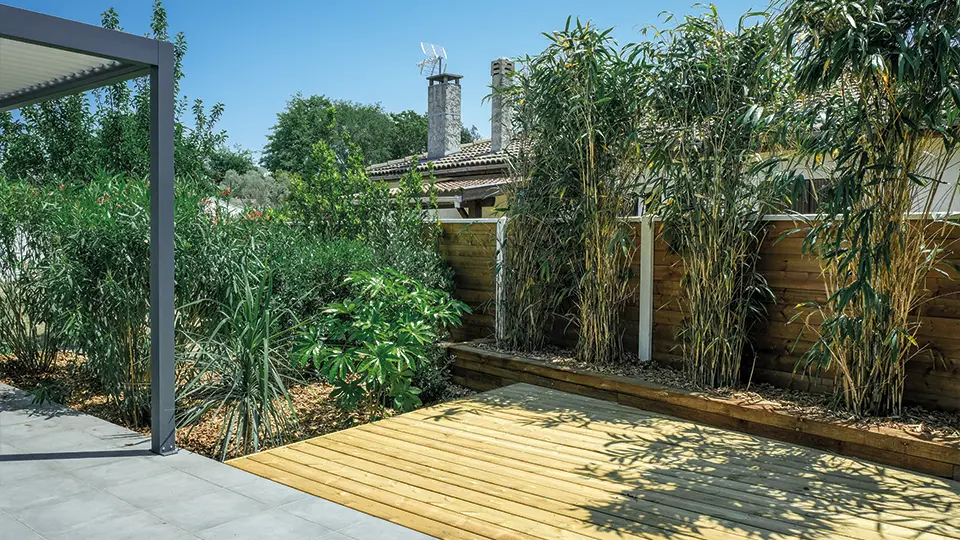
(529, 462)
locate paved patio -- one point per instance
(65, 475)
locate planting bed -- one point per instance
(316, 411)
(936, 452)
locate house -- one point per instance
(470, 177)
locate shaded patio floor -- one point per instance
(65, 475)
(527, 462)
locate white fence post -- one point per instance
(645, 352)
(498, 293)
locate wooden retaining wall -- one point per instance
(933, 378)
(482, 369)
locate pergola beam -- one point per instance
(67, 35)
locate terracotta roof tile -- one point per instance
(445, 187)
(456, 186)
(471, 155)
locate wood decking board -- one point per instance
(526, 462)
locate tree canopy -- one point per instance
(67, 139)
(378, 135)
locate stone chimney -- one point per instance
(501, 118)
(443, 115)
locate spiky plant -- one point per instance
(236, 371)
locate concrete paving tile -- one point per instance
(66, 514)
(27, 427)
(269, 492)
(59, 439)
(120, 471)
(11, 529)
(195, 514)
(14, 471)
(215, 472)
(371, 527)
(140, 524)
(335, 536)
(148, 493)
(41, 490)
(329, 514)
(271, 525)
(186, 460)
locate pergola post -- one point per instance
(162, 376)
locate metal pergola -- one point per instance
(44, 57)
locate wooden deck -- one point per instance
(528, 462)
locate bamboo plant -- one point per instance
(577, 108)
(711, 98)
(882, 89)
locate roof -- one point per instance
(456, 186)
(43, 57)
(473, 159)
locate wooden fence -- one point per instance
(470, 246)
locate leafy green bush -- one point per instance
(309, 273)
(101, 273)
(236, 371)
(372, 345)
(402, 233)
(75, 264)
(30, 322)
(338, 200)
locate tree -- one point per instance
(225, 159)
(369, 127)
(410, 134)
(257, 186)
(304, 122)
(65, 140)
(469, 135)
(377, 135)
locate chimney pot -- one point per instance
(501, 118)
(443, 115)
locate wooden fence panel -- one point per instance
(933, 377)
(470, 250)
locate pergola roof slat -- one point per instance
(27, 69)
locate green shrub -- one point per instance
(309, 273)
(372, 345)
(30, 322)
(101, 273)
(334, 200)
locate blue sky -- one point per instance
(253, 55)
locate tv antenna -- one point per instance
(435, 55)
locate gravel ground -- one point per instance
(941, 426)
(316, 411)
